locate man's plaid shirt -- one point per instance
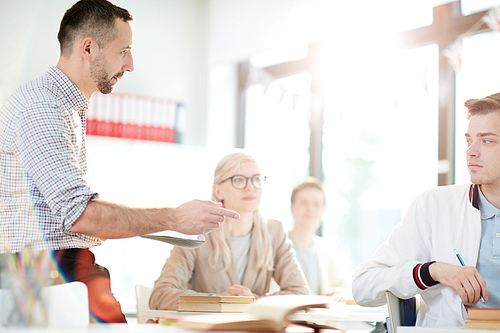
(43, 165)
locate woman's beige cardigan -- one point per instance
(187, 272)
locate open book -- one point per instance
(214, 303)
(269, 313)
(178, 239)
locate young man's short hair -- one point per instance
(310, 182)
(483, 105)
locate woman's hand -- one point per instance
(237, 290)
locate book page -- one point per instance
(228, 322)
(279, 307)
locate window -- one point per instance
(277, 133)
(380, 144)
(474, 6)
(477, 78)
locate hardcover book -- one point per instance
(216, 298)
(483, 313)
(483, 319)
(482, 324)
(197, 303)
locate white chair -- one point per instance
(142, 294)
(144, 313)
(66, 304)
(402, 312)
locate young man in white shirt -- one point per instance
(419, 256)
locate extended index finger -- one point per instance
(224, 212)
(228, 213)
(216, 209)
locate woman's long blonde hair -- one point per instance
(221, 251)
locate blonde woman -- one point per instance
(240, 257)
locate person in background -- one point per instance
(422, 253)
(240, 257)
(318, 259)
(45, 201)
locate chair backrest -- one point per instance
(142, 294)
(402, 312)
(66, 304)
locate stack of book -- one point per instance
(483, 319)
(214, 303)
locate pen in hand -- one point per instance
(463, 264)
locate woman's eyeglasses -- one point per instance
(240, 182)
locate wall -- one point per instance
(169, 51)
(240, 29)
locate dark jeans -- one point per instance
(80, 265)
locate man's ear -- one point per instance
(88, 48)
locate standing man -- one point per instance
(45, 201)
(419, 256)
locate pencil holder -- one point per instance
(22, 276)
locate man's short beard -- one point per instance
(100, 76)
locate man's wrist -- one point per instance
(422, 276)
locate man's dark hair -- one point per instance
(90, 18)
